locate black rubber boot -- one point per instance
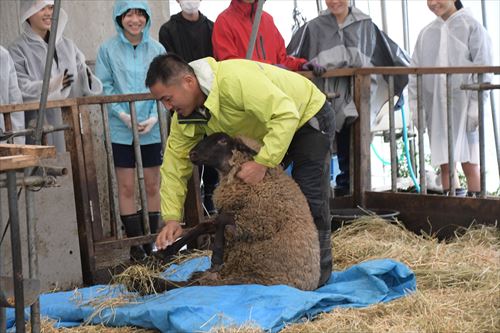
(133, 228)
(154, 221)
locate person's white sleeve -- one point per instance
(92, 88)
(32, 89)
(481, 54)
(15, 97)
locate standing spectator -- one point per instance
(9, 92)
(231, 36)
(453, 39)
(70, 76)
(343, 36)
(189, 35)
(122, 63)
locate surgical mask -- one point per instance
(190, 6)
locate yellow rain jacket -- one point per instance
(248, 98)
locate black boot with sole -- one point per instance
(133, 228)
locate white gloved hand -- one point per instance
(146, 125)
(126, 119)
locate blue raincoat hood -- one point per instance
(121, 6)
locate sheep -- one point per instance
(270, 236)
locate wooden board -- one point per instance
(7, 149)
(18, 162)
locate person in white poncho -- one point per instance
(70, 76)
(454, 38)
(9, 92)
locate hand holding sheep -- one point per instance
(252, 172)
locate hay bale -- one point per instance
(458, 282)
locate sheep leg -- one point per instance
(188, 236)
(221, 221)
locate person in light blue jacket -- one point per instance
(122, 64)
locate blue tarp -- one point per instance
(201, 308)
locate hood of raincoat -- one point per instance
(30, 7)
(121, 6)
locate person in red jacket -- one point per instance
(231, 36)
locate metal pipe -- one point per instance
(255, 29)
(420, 128)
(116, 229)
(15, 238)
(451, 146)
(383, 9)
(319, 6)
(30, 181)
(30, 131)
(479, 86)
(392, 136)
(482, 139)
(492, 97)
(48, 70)
(140, 170)
(162, 118)
(32, 252)
(3, 316)
(406, 26)
(55, 171)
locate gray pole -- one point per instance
(48, 70)
(255, 29)
(384, 15)
(492, 97)
(406, 27)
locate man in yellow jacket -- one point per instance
(283, 110)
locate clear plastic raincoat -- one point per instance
(459, 41)
(356, 43)
(29, 52)
(122, 69)
(9, 91)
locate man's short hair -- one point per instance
(166, 68)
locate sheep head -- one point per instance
(222, 152)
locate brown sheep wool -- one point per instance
(275, 240)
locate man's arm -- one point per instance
(175, 172)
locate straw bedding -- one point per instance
(458, 283)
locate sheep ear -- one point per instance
(241, 146)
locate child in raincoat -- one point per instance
(70, 76)
(122, 63)
(454, 38)
(9, 92)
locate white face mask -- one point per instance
(189, 6)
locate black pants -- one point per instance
(343, 149)
(310, 153)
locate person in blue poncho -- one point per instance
(122, 63)
(343, 36)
